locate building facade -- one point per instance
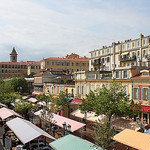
(130, 53)
(141, 93)
(17, 69)
(71, 63)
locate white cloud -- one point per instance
(38, 31)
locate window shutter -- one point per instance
(133, 93)
(142, 94)
(120, 75)
(138, 93)
(148, 92)
(56, 89)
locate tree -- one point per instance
(103, 134)
(45, 98)
(61, 101)
(113, 101)
(19, 85)
(23, 107)
(87, 105)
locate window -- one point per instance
(138, 43)
(102, 51)
(125, 75)
(133, 44)
(52, 63)
(135, 93)
(144, 42)
(108, 59)
(144, 52)
(67, 63)
(48, 63)
(72, 64)
(83, 64)
(77, 64)
(77, 69)
(138, 53)
(145, 93)
(5, 66)
(2, 66)
(146, 74)
(123, 47)
(128, 45)
(117, 74)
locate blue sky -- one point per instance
(54, 28)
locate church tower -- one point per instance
(13, 56)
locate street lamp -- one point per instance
(67, 128)
(141, 125)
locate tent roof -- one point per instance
(71, 142)
(90, 116)
(25, 130)
(133, 139)
(33, 100)
(59, 120)
(5, 113)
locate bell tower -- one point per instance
(13, 55)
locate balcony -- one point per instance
(128, 58)
(97, 62)
(147, 56)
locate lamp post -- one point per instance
(141, 125)
(67, 128)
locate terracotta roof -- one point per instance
(141, 77)
(14, 63)
(68, 59)
(33, 62)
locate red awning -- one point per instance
(145, 109)
(77, 101)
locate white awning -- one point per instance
(147, 71)
(25, 130)
(90, 116)
(125, 53)
(33, 100)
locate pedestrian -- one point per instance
(53, 130)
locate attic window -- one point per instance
(145, 74)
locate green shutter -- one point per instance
(132, 93)
(138, 93)
(142, 94)
(148, 92)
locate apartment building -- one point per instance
(93, 80)
(33, 67)
(71, 63)
(122, 57)
(17, 69)
(141, 93)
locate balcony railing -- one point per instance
(147, 56)
(96, 62)
(128, 58)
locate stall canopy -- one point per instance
(25, 130)
(91, 116)
(5, 113)
(33, 100)
(59, 120)
(71, 142)
(133, 139)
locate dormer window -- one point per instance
(145, 74)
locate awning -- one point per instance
(91, 116)
(125, 53)
(33, 100)
(145, 109)
(37, 93)
(59, 120)
(133, 139)
(76, 101)
(71, 142)
(5, 113)
(25, 130)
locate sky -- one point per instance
(54, 28)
